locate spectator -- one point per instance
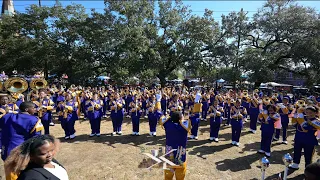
(312, 171)
(33, 160)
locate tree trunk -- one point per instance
(46, 69)
(162, 78)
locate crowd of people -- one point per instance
(179, 110)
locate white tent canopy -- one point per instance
(103, 77)
(221, 81)
(274, 84)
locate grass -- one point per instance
(118, 157)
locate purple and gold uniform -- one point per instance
(237, 116)
(205, 107)
(284, 109)
(154, 114)
(94, 110)
(216, 113)
(305, 138)
(195, 110)
(67, 115)
(269, 122)
(176, 138)
(135, 113)
(60, 96)
(254, 113)
(8, 108)
(175, 105)
(17, 128)
(44, 108)
(117, 113)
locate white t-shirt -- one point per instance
(58, 171)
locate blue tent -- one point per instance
(221, 81)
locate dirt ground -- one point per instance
(118, 157)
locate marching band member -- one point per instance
(307, 131)
(94, 112)
(284, 110)
(205, 107)
(216, 113)
(106, 102)
(6, 106)
(44, 105)
(175, 104)
(254, 112)
(18, 98)
(60, 97)
(68, 118)
(164, 103)
(128, 99)
(228, 104)
(270, 120)
(145, 99)
(135, 106)
(154, 113)
(245, 102)
(265, 102)
(84, 99)
(274, 99)
(28, 126)
(237, 115)
(195, 110)
(151, 115)
(117, 113)
(16, 128)
(176, 129)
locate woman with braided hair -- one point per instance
(33, 160)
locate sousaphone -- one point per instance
(16, 85)
(38, 83)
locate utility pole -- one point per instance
(39, 3)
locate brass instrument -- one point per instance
(266, 100)
(72, 86)
(137, 108)
(16, 85)
(1, 86)
(54, 89)
(275, 96)
(300, 103)
(38, 83)
(97, 106)
(40, 112)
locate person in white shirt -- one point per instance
(33, 160)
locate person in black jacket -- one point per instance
(33, 160)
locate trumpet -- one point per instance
(300, 103)
(40, 113)
(97, 106)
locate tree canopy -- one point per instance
(149, 39)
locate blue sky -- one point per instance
(198, 7)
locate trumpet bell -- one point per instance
(16, 85)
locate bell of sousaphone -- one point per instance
(16, 85)
(37, 84)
